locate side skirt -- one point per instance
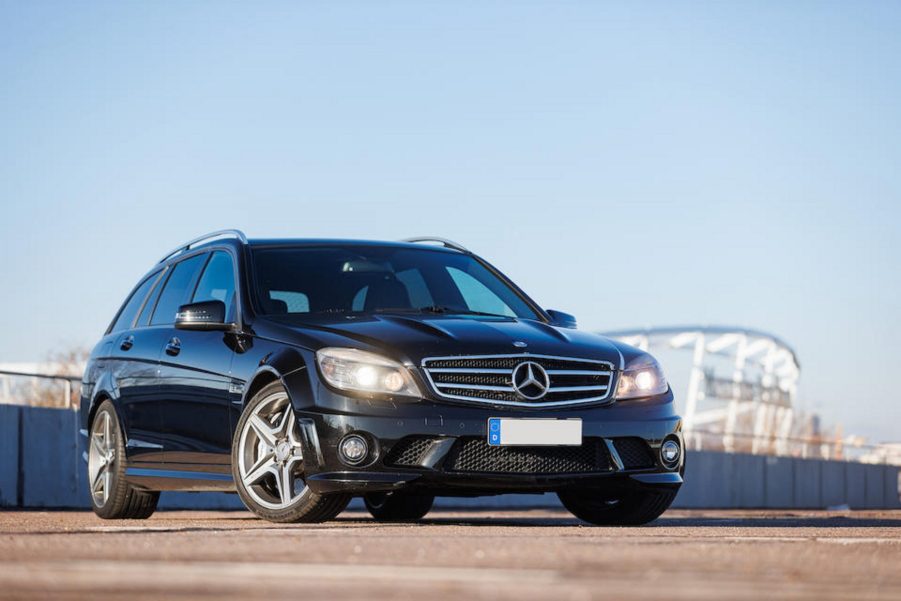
(166, 479)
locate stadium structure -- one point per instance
(737, 390)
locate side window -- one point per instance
(175, 293)
(133, 304)
(217, 281)
(416, 287)
(476, 295)
(359, 300)
(295, 302)
(144, 318)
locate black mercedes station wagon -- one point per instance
(303, 373)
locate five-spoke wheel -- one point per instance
(101, 458)
(112, 497)
(267, 463)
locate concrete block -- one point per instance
(9, 455)
(50, 458)
(892, 488)
(874, 492)
(199, 500)
(709, 481)
(807, 485)
(748, 484)
(779, 486)
(832, 483)
(856, 485)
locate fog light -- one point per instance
(670, 452)
(353, 449)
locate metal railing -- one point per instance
(61, 397)
(803, 448)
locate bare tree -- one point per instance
(41, 392)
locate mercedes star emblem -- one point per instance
(530, 380)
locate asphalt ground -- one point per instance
(483, 554)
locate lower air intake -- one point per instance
(476, 455)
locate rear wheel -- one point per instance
(398, 507)
(267, 463)
(631, 509)
(111, 496)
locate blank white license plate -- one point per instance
(504, 431)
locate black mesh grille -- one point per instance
(511, 362)
(476, 455)
(490, 378)
(408, 451)
(634, 452)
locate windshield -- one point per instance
(373, 279)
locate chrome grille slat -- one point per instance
(574, 388)
(475, 387)
(574, 372)
(477, 378)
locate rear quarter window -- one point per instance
(130, 309)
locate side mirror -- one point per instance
(208, 315)
(561, 319)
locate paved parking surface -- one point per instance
(526, 554)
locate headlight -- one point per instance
(642, 377)
(360, 371)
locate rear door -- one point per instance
(194, 379)
(134, 364)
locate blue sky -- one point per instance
(634, 164)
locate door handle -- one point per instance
(127, 343)
(173, 347)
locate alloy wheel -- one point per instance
(101, 458)
(270, 456)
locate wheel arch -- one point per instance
(288, 366)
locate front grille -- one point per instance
(489, 379)
(634, 453)
(476, 455)
(408, 451)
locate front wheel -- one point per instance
(398, 507)
(630, 509)
(267, 463)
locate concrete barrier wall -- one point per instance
(41, 465)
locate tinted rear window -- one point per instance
(133, 305)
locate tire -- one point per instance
(112, 498)
(398, 507)
(267, 463)
(632, 509)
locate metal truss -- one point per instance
(742, 388)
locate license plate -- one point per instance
(503, 431)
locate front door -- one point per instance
(195, 377)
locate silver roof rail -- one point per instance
(237, 234)
(442, 241)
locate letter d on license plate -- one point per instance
(503, 431)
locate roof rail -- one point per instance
(237, 234)
(442, 241)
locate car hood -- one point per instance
(413, 338)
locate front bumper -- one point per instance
(444, 428)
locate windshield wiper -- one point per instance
(437, 309)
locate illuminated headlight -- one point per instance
(361, 371)
(642, 377)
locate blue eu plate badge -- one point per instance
(494, 431)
